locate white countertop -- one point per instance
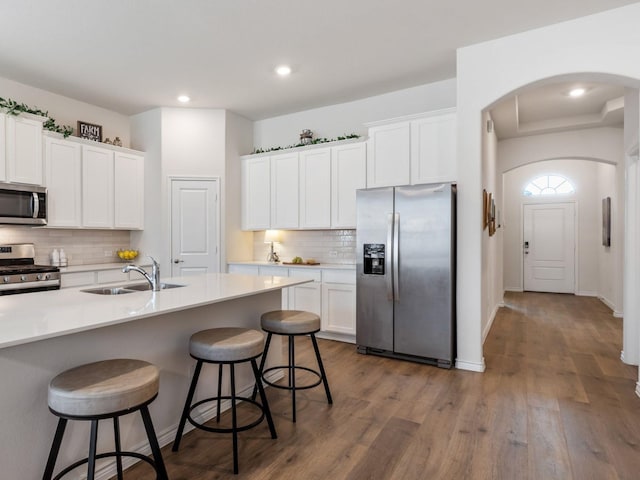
(30, 317)
(330, 266)
(98, 266)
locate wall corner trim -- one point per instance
(638, 389)
(471, 366)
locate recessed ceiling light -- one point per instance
(283, 70)
(184, 98)
(577, 92)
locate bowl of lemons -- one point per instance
(127, 255)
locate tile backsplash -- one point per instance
(325, 246)
(82, 247)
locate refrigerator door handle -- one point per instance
(388, 256)
(396, 256)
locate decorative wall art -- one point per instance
(90, 131)
(492, 216)
(606, 221)
(485, 209)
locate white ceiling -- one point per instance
(133, 55)
(549, 108)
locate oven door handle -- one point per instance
(35, 205)
(27, 285)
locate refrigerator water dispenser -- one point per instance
(373, 262)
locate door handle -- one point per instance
(177, 260)
(396, 257)
(387, 257)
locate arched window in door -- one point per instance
(549, 185)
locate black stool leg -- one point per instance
(55, 449)
(116, 437)
(187, 406)
(219, 392)
(91, 463)
(263, 360)
(153, 443)
(322, 372)
(234, 418)
(292, 374)
(263, 398)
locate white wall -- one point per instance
(492, 282)
(345, 118)
(67, 111)
(239, 140)
(599, 47)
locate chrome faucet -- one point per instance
(153, 279)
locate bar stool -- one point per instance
(293, 323)
(101, 390)
(226, 346)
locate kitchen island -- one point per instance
(44, 333)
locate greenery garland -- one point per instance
(315, 141)
(14, 108)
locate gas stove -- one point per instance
(20, 274)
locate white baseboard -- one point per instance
(638, 389)
(586, 293)
(168, 435)
(339, 337)
(514, 289)
(618, 314)
(487, 328)
(471, 366)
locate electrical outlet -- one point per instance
(333, 253)
(108, 253)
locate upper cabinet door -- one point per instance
(348, 174)
(433, 149)
(24, 150)
(256, 193)
(315, 188)
(128, 191)
(284, 191)
(388, 156)
(63, 179)
(97, 187)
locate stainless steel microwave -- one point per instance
(23, 204)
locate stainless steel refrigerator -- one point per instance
(406, 263)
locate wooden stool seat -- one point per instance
(103, 388)
(226, 344)
(290, 322)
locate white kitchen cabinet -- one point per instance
(63, 179)
(244, 269)
(348, 174)
(315, 188)
(277, 271)
(284, 191)
(128, 179)
(433, 149)
(256, 193)
(339, 302)
(414, 150)
(23, 136)
(97, 187)
(307, 296)
(389, 155)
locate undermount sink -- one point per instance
(122, 289)
(145, 286)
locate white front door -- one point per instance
(549, 247)
(194, 227)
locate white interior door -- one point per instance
(549, 247)
(194, 227)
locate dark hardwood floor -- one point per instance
(555, 402)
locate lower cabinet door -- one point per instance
(306, 297)
(339, 308)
